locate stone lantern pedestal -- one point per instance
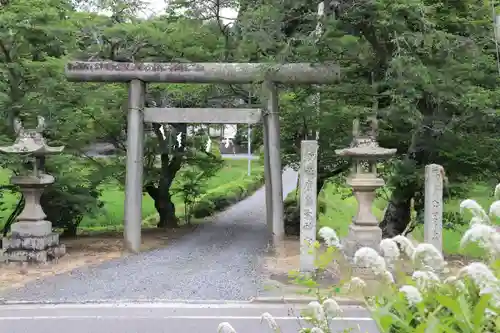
(31, 239)
(365, 153)
(364, 230)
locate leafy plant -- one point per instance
(193, 179)
(452, 220)
(433, 299)
(190, 187)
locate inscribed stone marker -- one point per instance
(291, 73)
(308, 185)
(433, 214)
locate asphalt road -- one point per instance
(167, 317)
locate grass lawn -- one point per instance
(339, 213)
(113, 196)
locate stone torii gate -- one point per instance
(137, 74)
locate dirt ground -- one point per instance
(86, 250)
(286, 259)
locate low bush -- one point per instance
(226, 195)
(73, 196)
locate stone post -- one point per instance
(273, 140)
(133, 177)
(308, 186)
(433, 205)
(267, 178)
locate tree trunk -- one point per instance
(396, 218)
(164, 206)
(70, 230)
(161, 193)
(166, 209)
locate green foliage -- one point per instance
(449, 307)
(194, 178)
(427, 69)
(436, 298)
(38, 38)
(453, 220)
(75, 194)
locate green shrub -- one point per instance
(74, 195)
(452, 220)
(261, 155)
(203, 208)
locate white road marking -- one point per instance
(157, 306)
(170, 317)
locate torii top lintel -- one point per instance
(292, 73)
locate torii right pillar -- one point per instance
(272, 166)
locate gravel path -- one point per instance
(216, 262)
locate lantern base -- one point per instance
(361, 236)
(22, 229)
(36, 249)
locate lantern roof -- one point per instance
(365, 146)
(30, 141)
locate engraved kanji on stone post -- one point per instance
(308, 186)
(32, 239)
(365, 153)
(433, 205)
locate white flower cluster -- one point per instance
(481, 231)
(412, 294)
(367, 257)
(424, 256)
(319, 314)
(330, 237)
(484, 279)
(425, 280)
(426, 259)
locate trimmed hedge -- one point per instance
(292, 212)
(224, 196)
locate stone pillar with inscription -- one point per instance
(365, 153)
(308, 186)
(433, 211)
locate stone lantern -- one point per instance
(364, 153)
(32, 239)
